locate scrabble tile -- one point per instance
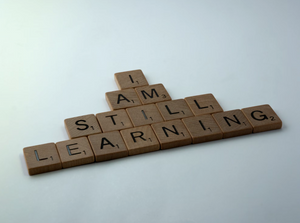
(114, 120)
(75, 152)
(122, 99)
(203, 128)
(153, 94)
(203, 104)
(144, 115)
(262, 118)
(172, 134)
(108, 146)
(82, 126)
(175, 109)
(42, 158)
(130, 79)
(233, 123)
(140, 140)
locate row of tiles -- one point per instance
(148, 138)
(142, 115)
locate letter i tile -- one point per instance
(203, 128)
(130, 79)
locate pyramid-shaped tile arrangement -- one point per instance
(143, 119)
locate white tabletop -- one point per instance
(57, 61)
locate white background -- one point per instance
(57, 60)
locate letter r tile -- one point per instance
(233, 123)
(152, 94)
(130, 79)
(75, 152)
(203, 104)
(140, 140)
(122, 99)
(82, 126)
(42, 158)
(262, 118)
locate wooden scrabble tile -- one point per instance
(144, 115)
(75, 152)
(42, 158)
(203, 128)
(175, 109)
(130, 79)
(122, 99)
(203, 104)
(114, 120)
(172, 134)
(82, 126)
(140, 140)
(233, 123)
(262, 118)
(108, 146)
(152, 94)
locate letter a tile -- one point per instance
(122, 99)
(233, 123)
(130, 79)
(152, 94)
(172, 134)
(42, 158)
(108, 146)
(82, 126)
(140, 140)
(75, 152)
(262, 118)
(203, 128)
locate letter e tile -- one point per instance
(130, 79)
(233, 123)
(108, 146)
(262, 118)
(203, 104)
(42, 158)
(82, 126)
(172, 134)
(140, 140)
(75, 152)
(122, 99)
(203, 128)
